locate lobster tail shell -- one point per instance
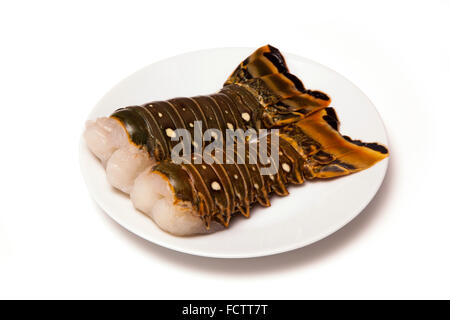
(327, 153)
(266, 75)
(222, 188)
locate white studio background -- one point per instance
(57, 58)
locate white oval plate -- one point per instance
(311, 211)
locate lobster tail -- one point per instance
(261, 93)
(221, 189)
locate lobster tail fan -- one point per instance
(329, 154)
(266, 60)
(266, 75)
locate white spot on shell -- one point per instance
(170, 132)
(245, 116)
(191, 124)
(286, 167)
(204, 167)
(256, 186)
(215, 186)
(235, 176)
(160, 114)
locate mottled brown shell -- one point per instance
(310, 148)
(327, 153)
(217, 191)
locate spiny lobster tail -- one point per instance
(261, 93)
(327, 153)
(152, 125)
(216, 191)
(284, 96)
